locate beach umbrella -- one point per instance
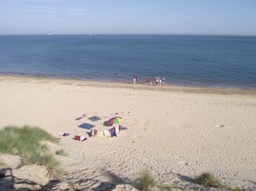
(115, 120)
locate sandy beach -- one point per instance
(175, 132)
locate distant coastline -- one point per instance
(102, 34)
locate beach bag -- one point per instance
(80, 138)
(94, 132)
(106, 133)
(100, 133)
(112, 132)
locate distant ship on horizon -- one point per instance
(49, 33)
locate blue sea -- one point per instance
(208, 61)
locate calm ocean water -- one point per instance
(215, 61)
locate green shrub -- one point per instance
(145, 181)
(208, 180)
(25, 142)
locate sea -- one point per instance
(186, 60)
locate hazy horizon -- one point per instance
(149, 17)
(67, 34)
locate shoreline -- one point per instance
(139, 86)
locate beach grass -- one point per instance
(208, 180)
(145, 181)
(25, 142)
(61, 152)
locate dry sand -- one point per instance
(175, 132)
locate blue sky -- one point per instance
(213, 17)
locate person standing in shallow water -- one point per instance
(137, 79)
(163, 80)
(134, 80)
(157, 81)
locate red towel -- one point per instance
(80, 138)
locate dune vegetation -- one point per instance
(146, 182)
(26, 142)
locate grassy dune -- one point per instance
(25, 142)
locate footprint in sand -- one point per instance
(144, 122)
(182, 163)
(219, 126)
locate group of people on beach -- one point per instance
(158, 80)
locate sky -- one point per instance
(195, 17)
